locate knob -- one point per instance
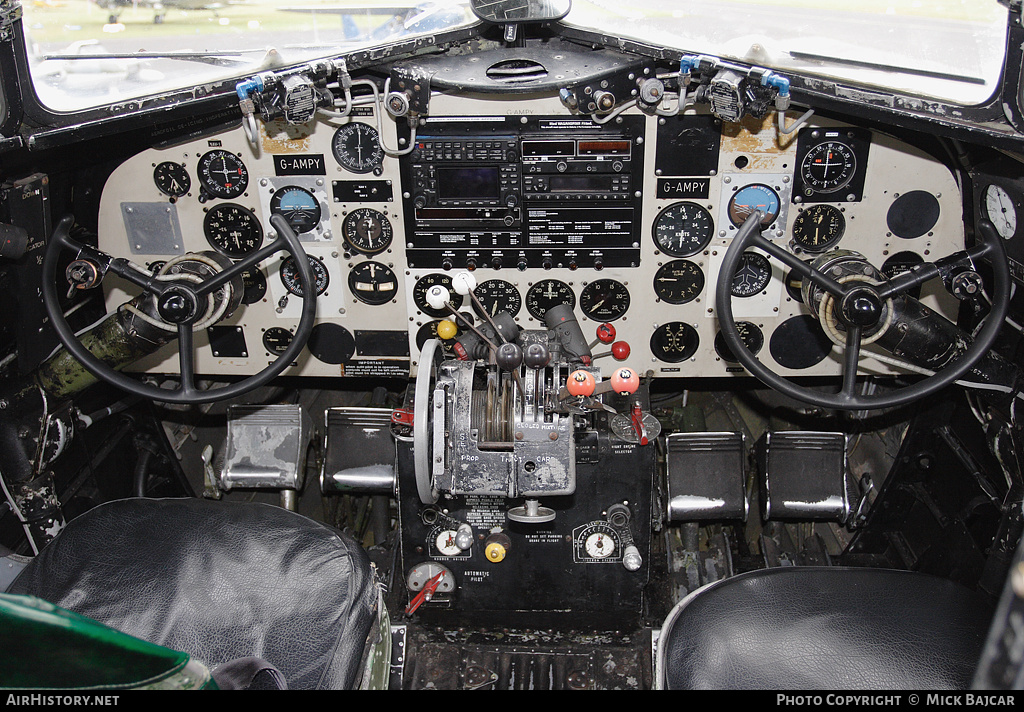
(631, 558)
(511, 200)
(605, 100)
(464, 537)
(625, 381)
(561, 166)
(509, 356)
(509, 220)
(446, 329)
(496, 547)
(581, 383)
(420, 201)
(463, 283)
(438, 297)
(619, 351)
(536, 356)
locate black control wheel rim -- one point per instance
(989, 248)
(186, 392)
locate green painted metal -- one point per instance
(43, 646)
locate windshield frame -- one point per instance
(1000, 120)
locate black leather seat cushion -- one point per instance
(217, 580)
(807, 628)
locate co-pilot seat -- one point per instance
(221, 581)
(824, 628)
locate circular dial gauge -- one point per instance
(674, 342)
(419, 294)
(819, 227)
(598, 540)
(1001, 211)
(290, 275)
(828, 167)
(367, 231)
(276, 339)
(222, 174)
(599, 545)
(298, 206)
(445, 543)
(752, 275)
(497, 295)
(749, 198)
(233, 230)
(172, 179)
(678, 282)
(604, 300)
(373, 283)
(254, 285)
(683, 229)
(752, 337)
(356, 146)
(549, 293)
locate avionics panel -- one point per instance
(528, 192)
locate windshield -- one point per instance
(126, 42)
(86, 53)
(948, 49)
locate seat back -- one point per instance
(218, 580)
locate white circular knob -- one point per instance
(463, 283)
(438, 296)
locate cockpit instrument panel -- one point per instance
(625, 221)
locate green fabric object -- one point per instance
(43, 646)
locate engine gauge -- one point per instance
(819, 227)
(276, 340)
(749, 198)
(1001, 211)
(298, 206)
(678, 282)
(357, 148)
(683, 229)
(828, 167)
(172, 179)
(549, 293)
(373, 283)
(751, 335)
(604, 300)
(419, 294)
(290, 275)
(674, 342)
(497, 295)
(367, 231)
(752, 275)
(222, 174)
(232, 230)
(254, 285)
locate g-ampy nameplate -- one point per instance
(684, 187)
(308, 164)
